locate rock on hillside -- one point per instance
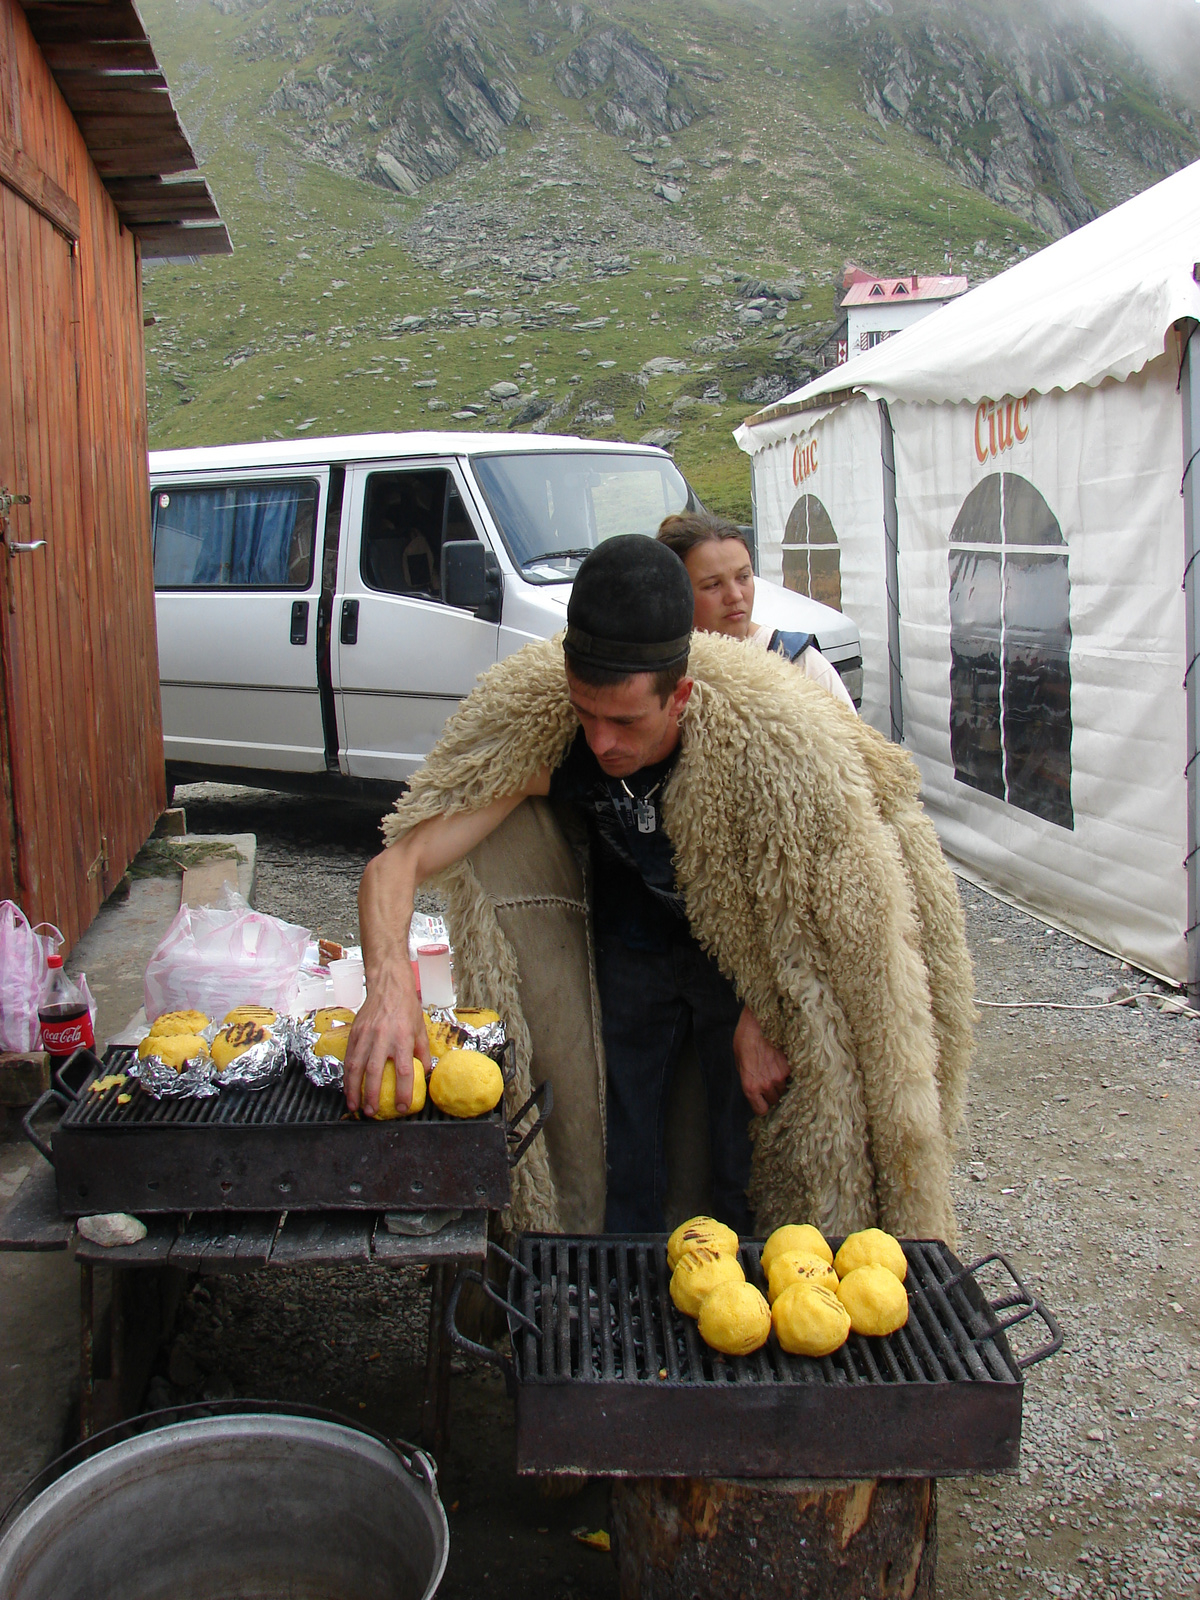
(1016, 105)
(645, 98)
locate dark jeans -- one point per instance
(648, 998)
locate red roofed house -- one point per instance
(876, 308)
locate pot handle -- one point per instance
(27, 1128)
(417, 1463)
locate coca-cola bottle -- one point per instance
(63, 1013)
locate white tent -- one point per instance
(1006, 495)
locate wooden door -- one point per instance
(47, 595)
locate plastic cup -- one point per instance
(437, 981)
(349, 982)
(311, 990)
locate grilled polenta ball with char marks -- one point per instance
(235, 1039)
(810, 1321)
(698, 1232)
(795, 1266)
(698, 1273)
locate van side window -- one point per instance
(238, 535)
(408, 517)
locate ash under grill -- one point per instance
(290, 1146)
(611, 1379)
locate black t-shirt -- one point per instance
(635, 896)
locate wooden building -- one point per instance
(90, 150)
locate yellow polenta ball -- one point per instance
(876, 1300)
(699, 1231)
(173, 1049)
(871, 1248)
(700, 1272)
(333, 1043)
(329, 1017)
(735, 1319)
(795, 1236)
(477, 1016)
(386, 1110)
(810, 1320)
(466, 1083)
(177, 1022)
(795, 1266)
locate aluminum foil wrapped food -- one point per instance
(322, 1071)
(258, 1061)
(194, 1080)
(489, 1038)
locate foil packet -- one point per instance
(323, 1072)
(263, 1064)
(197, 1080)
(489, 1040)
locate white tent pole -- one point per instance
(1189, 390)
(891, 573)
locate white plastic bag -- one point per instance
(22, 974)
(216, 957)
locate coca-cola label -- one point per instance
(66, 1034)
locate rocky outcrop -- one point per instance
(645, 97)
(1009, 103)
(477, 86)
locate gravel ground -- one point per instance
(1079, 1160)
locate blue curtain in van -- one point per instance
(208, 538)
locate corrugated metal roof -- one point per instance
(106, 70)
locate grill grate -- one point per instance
(604, 1314)
(290, 1146)
(611, 1379)
(290, 1102)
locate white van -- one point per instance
(324, 604)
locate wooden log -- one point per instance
(775, 1539)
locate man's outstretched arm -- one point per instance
(390, 1022)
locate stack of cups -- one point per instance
(349, 982)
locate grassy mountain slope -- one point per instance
(578, 215)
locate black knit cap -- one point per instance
(630, 608)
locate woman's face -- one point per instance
(723, 586)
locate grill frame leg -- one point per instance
(435, 1405)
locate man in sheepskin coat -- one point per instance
(808, 874)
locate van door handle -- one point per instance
(349, 622)
(299, 634)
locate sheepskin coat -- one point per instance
(811, 873)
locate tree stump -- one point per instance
(778, 1539)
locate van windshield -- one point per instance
(552, 508)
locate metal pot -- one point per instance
(249, 1507)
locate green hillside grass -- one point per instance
(293, 334)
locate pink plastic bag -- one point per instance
(216, 957)
(23, 954)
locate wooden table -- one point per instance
(130, 1293)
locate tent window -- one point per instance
(812, 562)
(1010, 649)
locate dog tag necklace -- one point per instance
(643, 805)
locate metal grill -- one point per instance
(289, 1146)
(293, 1100)
(611, 1378)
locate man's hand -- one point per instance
(763, 1069)
(389, 1023)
